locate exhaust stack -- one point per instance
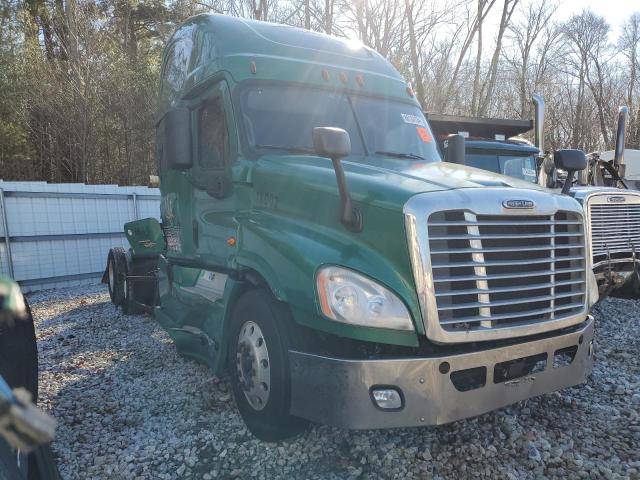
(618, 158)
(538, 119)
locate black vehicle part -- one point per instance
(611, 170)
(19, 368)
(115, 274)
(572, 161)
(456, 149)
(334, 143)
(19, 354)
(8, 465)
(140, 285)
(269, 420)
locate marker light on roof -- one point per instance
(343, 77)
(325, 75)
(253, 67)
(410, 91)
(354, 44)
(360, 80)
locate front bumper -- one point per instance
(338, 392)
(618, 277)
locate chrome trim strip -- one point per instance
(499, 276)
(531, 286)
(500, 303)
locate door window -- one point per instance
(213, 136)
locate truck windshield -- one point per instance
(516, 166)
(279, 117)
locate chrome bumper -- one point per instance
(338, 392)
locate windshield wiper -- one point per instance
(414, 156)
(285, 148)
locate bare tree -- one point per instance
(587, 39)
(629, 44)
(413, 46)
(490, 81)
(471, 25)
(378, 24)
(525, 33)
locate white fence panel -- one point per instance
(60, 234)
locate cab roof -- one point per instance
(208, 44)
(475, 145)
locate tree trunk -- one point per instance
(415, 59)
(461, 56)
(489, 85)
(476, 77)
(328, 16)
(307, 15)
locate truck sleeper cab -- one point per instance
(345, 275)
(612, 214)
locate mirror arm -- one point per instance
(568, 182)
(350, 217)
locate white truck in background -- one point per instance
(632, 166)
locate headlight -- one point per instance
(348, 297)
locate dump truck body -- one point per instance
(456, 283)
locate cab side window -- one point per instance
(213, 136)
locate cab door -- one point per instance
(214, 199)
(200, 284)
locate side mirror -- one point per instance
(331, 142)
(177, 139)
(456, 149)
(572, 161)
(334, 143)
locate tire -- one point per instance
(8, 465)
(19, 368)
(116, 272)
(42, 464)
(19, 354)
(259, 366)
(139, 295)
(129, 306)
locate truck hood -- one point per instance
(384, 182)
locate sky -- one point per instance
(614, 11)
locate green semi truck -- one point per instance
(314, 246)
(612, 210)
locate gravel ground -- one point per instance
(129, 407)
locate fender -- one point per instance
(298, 248)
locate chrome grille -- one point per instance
(615, 227)
(499, 271)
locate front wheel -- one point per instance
(259, 366)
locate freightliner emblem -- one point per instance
(521, 204)
(616, 199)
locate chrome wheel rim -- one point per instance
(253, 366)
